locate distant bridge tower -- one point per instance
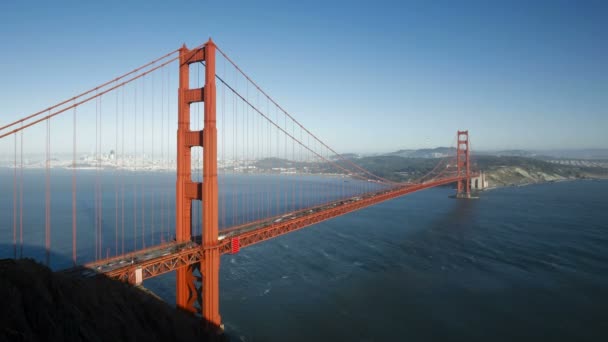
(463, 163)
(190, 289)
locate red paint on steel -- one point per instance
(187, 191)
(211, 263)
(189, 251)
(183, 205)
(235, 245)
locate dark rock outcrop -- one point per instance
(39, 305)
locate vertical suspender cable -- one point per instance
(143, 162)
(247, 156)
(152, 209)
(100, 183)
(47, 216)
(301, 160)
(168, 158)
(15, 198)
(280, 194)
(122, 179)
(223, 158)
(162, 151)
(21, 197)
(269, 155)
(243, 209)
(74, 187)
(168, 145)
(96, 176)
(234, 152)
(116, 179)
(257, 157)
(293, 158)
(286, 194)
(261, 144)
(135, 168)
(309, 164)
(258, 153)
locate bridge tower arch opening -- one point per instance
(197, 286)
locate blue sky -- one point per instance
(372, 76)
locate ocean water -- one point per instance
(520, 263)
(138, 208)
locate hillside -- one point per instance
(39, 305)
(509, 170)
(500, 171)
(438, 152)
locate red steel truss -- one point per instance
(169, 257)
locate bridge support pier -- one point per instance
(210, 266)
(188, 294)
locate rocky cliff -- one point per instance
(39, 305)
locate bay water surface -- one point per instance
(519, 263)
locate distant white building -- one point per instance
(480, 182)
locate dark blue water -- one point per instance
(138, 208)
(525, 264)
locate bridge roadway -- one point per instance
(170, 256)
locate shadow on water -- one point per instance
(37, 253)
(453, 223)
(458, 218)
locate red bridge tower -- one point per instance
(190, 289)
(463, 164)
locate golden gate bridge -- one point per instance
(229, 131)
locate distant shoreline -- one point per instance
(517, 185)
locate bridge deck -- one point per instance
(164, 258)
